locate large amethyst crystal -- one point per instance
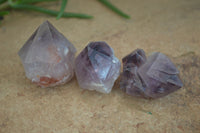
(97, 68)
(154, 77)
(48, 57)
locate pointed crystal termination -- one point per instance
(97, 68)
(154, 77)
(48, 57)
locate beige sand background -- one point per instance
(168, 26)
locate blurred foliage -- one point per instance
(7, 5)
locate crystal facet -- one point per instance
(154, 77)
(97, 68)
(48, 57)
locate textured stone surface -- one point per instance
(97, 68)
(48, 57)
(152, 78)
(169, 26)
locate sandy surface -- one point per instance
(169, 26)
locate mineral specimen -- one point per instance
(48, 57)
(154, 77)
(97, 68)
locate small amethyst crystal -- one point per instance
(154, 77)
(48, 57)
(97, 68)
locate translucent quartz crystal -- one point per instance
(97, 68)
(48, 57)
(154, 77)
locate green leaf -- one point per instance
(2, 13)
(32, 1)
(2, 1)
(115, 9)
(149, 113)
(50, 12)
(62, 9)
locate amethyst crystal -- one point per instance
(97, 68)
(48, 57)
(154, 77)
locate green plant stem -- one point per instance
(62, 9)
(50, 12)
(115, 9)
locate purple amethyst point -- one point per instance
(153, 78)
(48, 57)
(97, 68)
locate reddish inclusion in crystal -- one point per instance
(54, 54)
(45, 81)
